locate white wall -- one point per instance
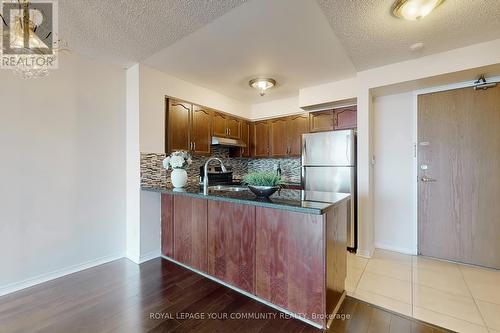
(155, 85)
(276, 108)
(62, 171)
(394, 172)
(146, 91)
(133, 167)
(441, 64)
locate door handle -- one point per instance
(425, 179)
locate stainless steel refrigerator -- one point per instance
(329, 165)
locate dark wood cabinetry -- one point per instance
(321, 121)
(345, 118)
(294, 260)
(178, 125)
(278, 144)
(287, 243)
(296, 126)
(286, 135)
(336, 119)
(201, 136)
(167, 225)
(219, 124)
(226, 126)
(245, 137)
(233, 128)
(190, 231)
(188, 128)
(231, 243)
(191, 127)
(260, 139)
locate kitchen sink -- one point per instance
(228, 188)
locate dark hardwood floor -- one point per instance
(159, 296)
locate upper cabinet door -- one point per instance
(278, 143)
(219, 125)
(346, 118)
(245, 137)
(233, 128)
(260, 139)
(178, 114)
(321, 121)
(296, 126)
(200, 130)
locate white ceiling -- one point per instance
(222, 44)
(373, 37)
(288, 40)
(127, 31)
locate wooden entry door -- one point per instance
(459, 175)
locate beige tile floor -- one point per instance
(458, 297)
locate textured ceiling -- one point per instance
(127, 31)
(289, 40)
(373, 37)
(221, 44)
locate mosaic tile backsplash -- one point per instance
(153, 173)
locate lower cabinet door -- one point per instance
(190, 231)
(167, 225)
(290, 261)
(231, 243)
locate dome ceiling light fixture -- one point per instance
(414, 9)
(262, 84)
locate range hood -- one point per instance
(220, 141)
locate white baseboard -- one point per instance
(388, 247)
(16, 286)
(150, 255)
(364, 253)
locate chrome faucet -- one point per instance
(205, 173)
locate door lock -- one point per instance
(426, 179)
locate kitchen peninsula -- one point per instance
(286, 252)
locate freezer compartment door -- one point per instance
(337, 148)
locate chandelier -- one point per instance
(30, 55)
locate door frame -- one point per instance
(416, 93)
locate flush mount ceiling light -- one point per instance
(262, 84)
(414, 9)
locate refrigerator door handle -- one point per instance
(348, 148)
(303, 151)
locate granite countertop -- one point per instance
(287, 199)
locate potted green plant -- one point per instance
(263, 184)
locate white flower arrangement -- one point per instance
(178, 160)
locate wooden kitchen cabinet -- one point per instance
(321, 121)
(167, 225)
(178, 125)
(286, 135)
(190, 231)
(201, 136)
(219, 124)
(278, 142)
(231, 243)
(245, 137)
(286, 243)
(233, 128)
(260, 139)
(345, 118)
(226, 126)
(188, 128)
(296, 126)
